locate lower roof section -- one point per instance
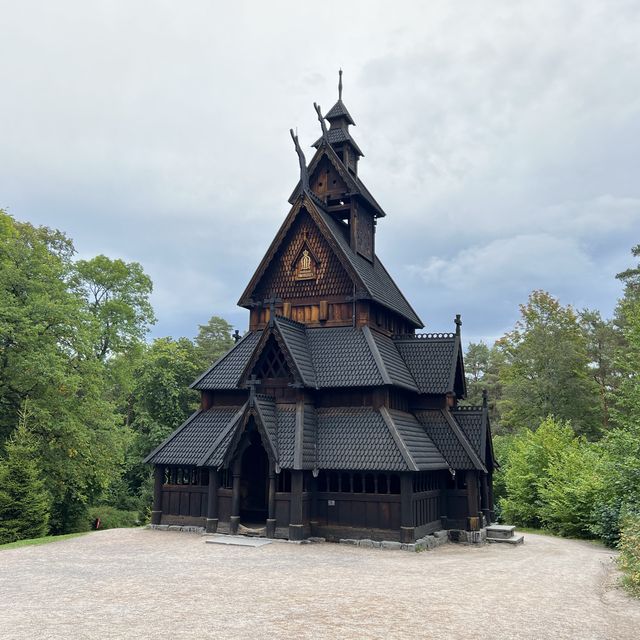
(302, 436)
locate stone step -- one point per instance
(250, 531)
(515, 539)
(496, 531)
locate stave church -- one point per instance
(332, 416)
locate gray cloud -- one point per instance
(501, 138)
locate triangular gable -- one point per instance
(302, 206)
(271, 338)
(457, 380)
(354, 184)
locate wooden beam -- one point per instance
(158, 479)
(271, 519)
(407, 524)
(212, 501)
(234, 518)
(296, 526)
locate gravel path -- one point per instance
(137, 583)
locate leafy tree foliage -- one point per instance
(213, 339)
(161, 400)
(546, 369)
(118, 296)
(482, 368)
(24, 500)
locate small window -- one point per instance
(334, 482)
(357, 483)
(345, 483)
(382, 483)
(394, 484)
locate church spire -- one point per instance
(340, 85)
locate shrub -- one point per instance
(112, 518)
(529, 458)
(629, 559)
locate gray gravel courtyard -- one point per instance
(138, 583)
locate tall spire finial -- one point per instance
(340, 85)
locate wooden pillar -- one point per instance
(407, 524)
(296, 526)
(472, 500)
(484, 498)
(212, 501)
(271, 520)
(234, 519)
(158, 480)
(444, 500)
(492, 508)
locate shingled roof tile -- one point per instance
(431, 360)
(190, 442)
(225, 372)
(356, 438)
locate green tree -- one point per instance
(604, 340)
(118, 297)
(482, 368)
(530, 455)
(161, 400)
(24, 500)
(213, 339)
(47, 355)
(546, 369)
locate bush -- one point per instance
(527, 474)
(629, 559)
(112, 518)
(574, 481)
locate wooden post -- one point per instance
(271, 520)
(296, 527)
(212, 501)
(492, 508)
(234, 519)
(407, 525)
(158, 479)
(484, 498)
(472, 500)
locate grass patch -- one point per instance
(44, 540)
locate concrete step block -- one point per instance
(500, 531)
(516, 539)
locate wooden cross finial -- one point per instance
(458, 322)
(236, 335)
(485, 398)
(252, 383)
(340, 85)
(272, 302)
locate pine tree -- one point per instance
(24, 501)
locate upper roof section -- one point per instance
(344, 357)
(371, 279)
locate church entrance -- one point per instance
(254, 481)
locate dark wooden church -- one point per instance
(331, 416)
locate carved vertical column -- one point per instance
(484, 498)
(296, 527)
(158, 479)
(472, 499)
(407, 524)
(234, 519)
(212, 501)
(271, 520)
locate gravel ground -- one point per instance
(137, 583)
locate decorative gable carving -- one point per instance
(292, 275)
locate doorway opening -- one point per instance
(254, 481)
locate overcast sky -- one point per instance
(502, 139)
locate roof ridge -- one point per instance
(222, 357)
(467, 407)
(464, 441)
(377, 356)
(423, 336)
(397, 438)
(221, 436)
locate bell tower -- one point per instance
(344, 195)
